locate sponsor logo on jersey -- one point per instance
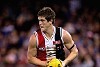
(42, 48)
(56, 42)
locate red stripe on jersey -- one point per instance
(41, 51)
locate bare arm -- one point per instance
(32, 52)
(68, 44)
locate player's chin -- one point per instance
(42, 29)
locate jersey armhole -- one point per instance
(61, 34)
(36, 35)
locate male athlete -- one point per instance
(48, 42)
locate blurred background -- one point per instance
(18, 20)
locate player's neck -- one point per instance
(49, 31)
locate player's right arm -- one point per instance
(32, 52)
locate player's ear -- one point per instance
(51, 21)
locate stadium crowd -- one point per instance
(18, 21)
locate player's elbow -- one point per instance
(75, 52)
(29, 59)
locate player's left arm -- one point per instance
(69, 44)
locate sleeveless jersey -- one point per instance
(52, 47)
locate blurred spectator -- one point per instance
(74, 5)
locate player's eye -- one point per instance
(42, 20)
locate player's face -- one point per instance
(43, 23)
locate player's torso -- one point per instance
(46, 46)
(50, 46)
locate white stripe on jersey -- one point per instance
(50, 47)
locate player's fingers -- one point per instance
(62, 62)
(47, 64)
(50, 58)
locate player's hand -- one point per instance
(47, 64)
(49, 59)
(63, 63)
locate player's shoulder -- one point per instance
(33, 36)
(32, 39)
(65, 32)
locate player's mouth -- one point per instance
(41, 27)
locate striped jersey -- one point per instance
(49, 47)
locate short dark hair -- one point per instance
(48, 13)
